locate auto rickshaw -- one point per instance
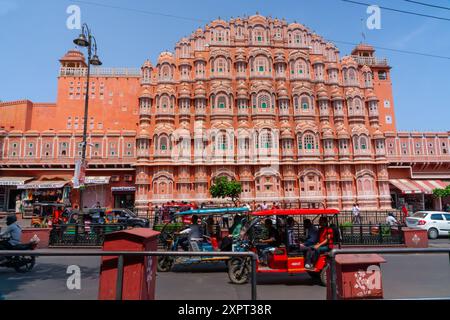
(214, 238)
(46, 214)
(282, 259)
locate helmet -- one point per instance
(11, 219)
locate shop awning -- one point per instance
(97, 180)
(122, 189)
(43, 185)
(13, 181)
(409, 186)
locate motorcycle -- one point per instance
(21, 264)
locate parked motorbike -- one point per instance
(21, 264)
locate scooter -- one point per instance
(21, 264)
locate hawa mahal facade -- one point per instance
(256, 99)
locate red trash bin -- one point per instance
(139, 272)
(415, 238)
(358, 276)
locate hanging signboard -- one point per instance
(79, 176)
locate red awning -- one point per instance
(408, 186)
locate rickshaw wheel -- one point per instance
(323, 276)
(165, 264)
(234, 271)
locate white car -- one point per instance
(437, 223)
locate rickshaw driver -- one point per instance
(266, 245)
(195, 233)
(325, 244)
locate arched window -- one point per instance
(305, 102)
(261, 64)
(222, 142)
(363, 143)
(221, 65)
(222, 101)
(259, 35)
(164, 102)
(163, 143)
(266, 139)
(352, 75)
(300, 67)
(297, 38)
(309, 142)
(264, 101)
(357, 103)
(166, 73)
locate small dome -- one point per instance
(336, 94)
(282, 91)
(366, 68)
(242, 90)
(143, 134)
(296, 25)
(377, 134)
(147, 64)
(166, 56)
(146, 94)
(349, 61)
(370, 96)
(322, 93)
(318, 60)
(199, 91)
(185, 91)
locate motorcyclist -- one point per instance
(13, 233)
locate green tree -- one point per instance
(224, 188)
(442, 193)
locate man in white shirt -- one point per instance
(264, 206)
(390, 219)
(356, 214)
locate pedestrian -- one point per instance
(18, 208)
(356, 214)
(264, 206)
(447, 207)
(405, 212)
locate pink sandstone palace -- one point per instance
(256, 99)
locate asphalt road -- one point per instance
(406, 276)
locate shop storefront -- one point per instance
(416, 194)
(43, 192)
(123, 197)
(97, 190)
(9, 192)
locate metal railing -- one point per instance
(121, 260)
(371, 234)
(333, 253)
(81, 234)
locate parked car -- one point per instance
(437, 223)
(129, 218)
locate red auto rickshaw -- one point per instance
(282, 259)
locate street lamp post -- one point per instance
(87, 40)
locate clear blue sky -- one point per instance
(33, 36)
